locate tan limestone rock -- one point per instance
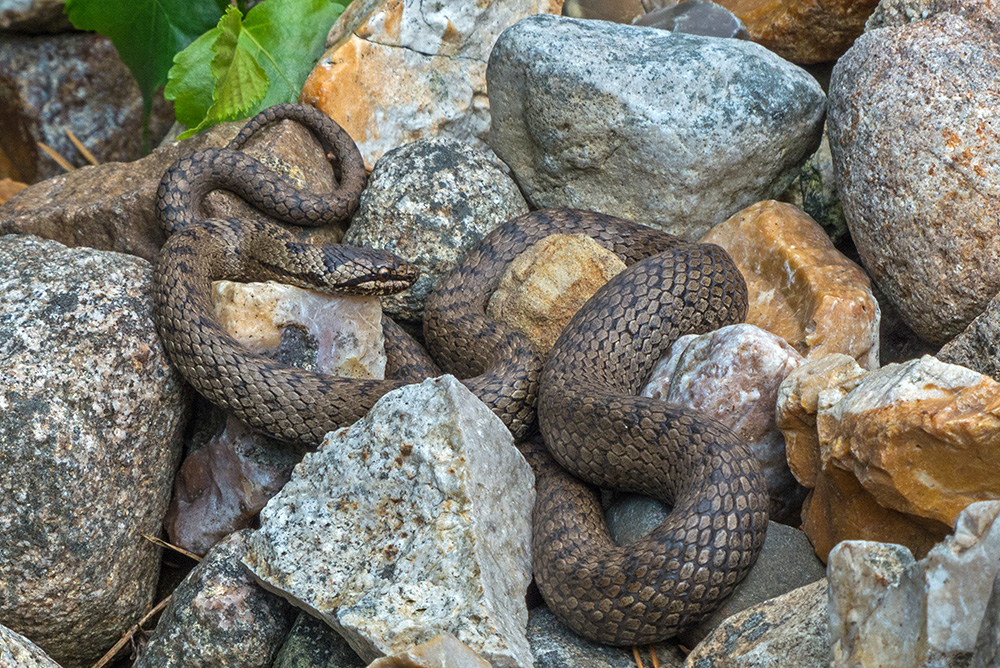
(546, 284)
(441, 651)
(801, 287)
(803, 31)
(400, 70)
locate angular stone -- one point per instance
(430, 202)
(801, 287)
(90, 435)
(978, 346)
(618, 119)
(16, 651)
(401, 70)
(112, 206)
(987, 650)
(34, 16)
(313, 644)
(555, 646)
(790, 630)
(72, 81)
(919, 167)
(696, 17)
(732, 375)
(441, 651)
(223, 485)
(547, 284)
(408, 524)
(218, 616)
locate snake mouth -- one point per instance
(382, 286)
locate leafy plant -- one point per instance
(216, 64)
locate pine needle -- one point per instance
(130, 633)
(61, 161)
(638, 659)
(169, 546)
(87, 155)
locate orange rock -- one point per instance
(549, 282)
(9, 188)
(801, 287)
(803, 31)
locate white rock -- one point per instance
(412, 522)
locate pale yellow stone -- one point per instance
(801, 287)
(348, 329)
(549, 282)
(441, 651)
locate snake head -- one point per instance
(371, 271)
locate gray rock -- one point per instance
(622, 119)
(90, 434)
(919, 174)
(695, 17)
(431, 201)
(33, 16)
(112, 206)
(16, 651)
(987, 651)
(219, 616)
(555, 646)
(890, 13)
(978, 346)
(313, 644)
(412, 522)
(790, 630)
(73, 81)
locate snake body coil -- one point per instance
(590, 421)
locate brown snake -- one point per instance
(589, 417)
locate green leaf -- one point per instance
(147, 33)
(190, 84)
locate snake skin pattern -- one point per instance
(591, 423)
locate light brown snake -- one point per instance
(591, 420)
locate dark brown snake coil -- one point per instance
(589, 417)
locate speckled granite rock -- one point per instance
(441, 651)
(313, 644)
(801, 287)
(112, 206)
(790, 630)
(619, 119)
(16, 651)
(396, 71)
(978, 346)
(430, 202)
(547, 284)
(219, 616)
(919, 166)
(890, 13)
(412, 522)
(73, 81)
(888, 610)
(555, 646)
(90, 434)
(732, 375)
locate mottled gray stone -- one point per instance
(16, 651)
(430, 202)
(635, 121)
(555, 646)
(33, 16)
(313, 644)
(695, 17)
(218, 616)
(918, 165)
(978, 345)
(90, 433)
(892, 13)
(790, 630)
(76, 82)
(412, 522)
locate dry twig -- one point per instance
(170, 546)
(131, 632)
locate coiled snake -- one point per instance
(591, 422)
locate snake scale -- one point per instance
(592, 423)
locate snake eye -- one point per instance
(383, 273)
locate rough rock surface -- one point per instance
(790, 630)
(801, 287)
(33, 16)
(400, 70)
(888, 610)
(16, 651)
(219, 616)
(430, 202)
(555, 646)
(313, 644)
(547, 284)
(76, 82)
(620, 119)
(732, 375)
(914, 130)
(978, 346)
(408, 524)
(112, 206)
(90, 436)
(891, 13)
(441, 651)
(221, 486)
